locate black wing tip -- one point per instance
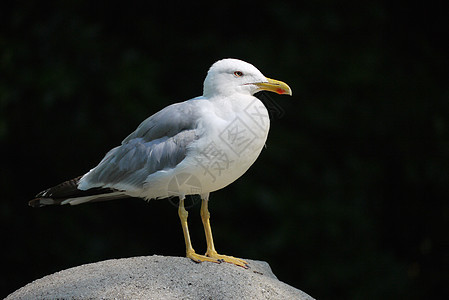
(55, 195)
(69, 190)
(40, 202)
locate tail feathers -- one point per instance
(68, 193)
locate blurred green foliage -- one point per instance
(348, 201)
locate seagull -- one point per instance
(193, 147)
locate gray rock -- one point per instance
(160, 277)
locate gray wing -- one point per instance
(160, 142)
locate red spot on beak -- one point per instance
(280, 91)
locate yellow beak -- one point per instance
(275, 86)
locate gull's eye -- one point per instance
(238, 74)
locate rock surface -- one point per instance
(160, 277)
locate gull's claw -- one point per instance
(229, 259)
(198, 258)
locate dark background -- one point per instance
(348, 201)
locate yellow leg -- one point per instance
(190, 253)
(211, 252)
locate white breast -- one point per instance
(232, 146)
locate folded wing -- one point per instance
(160, 142)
